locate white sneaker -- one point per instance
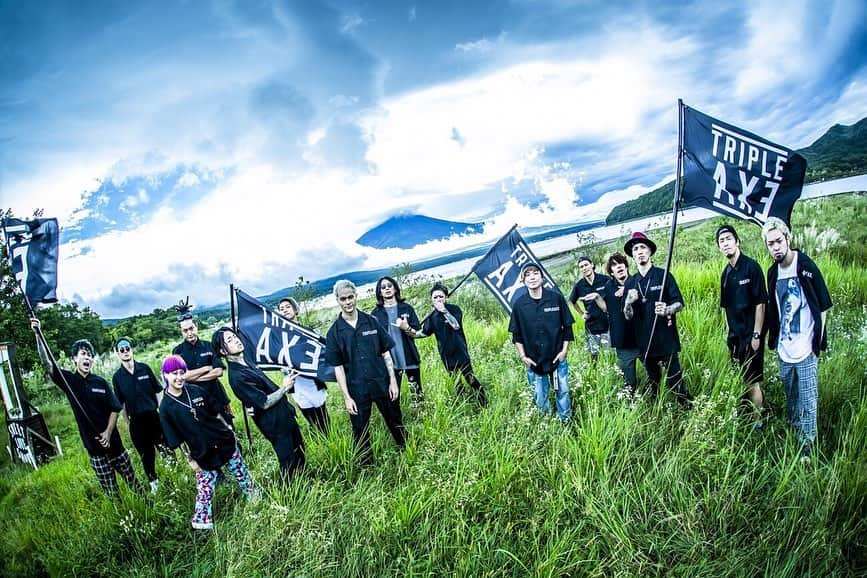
(155, 485)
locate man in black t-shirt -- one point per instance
(595, 317)
(95, 408)
(611, 299)
(653, 311)
(136, 388)
(744, 296)
(204, 367)
(541, 328)
(357, 346)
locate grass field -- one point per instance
(644, 491)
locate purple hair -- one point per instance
(173, 363)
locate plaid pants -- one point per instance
(801, 383)
(105, 468)
(206, 480)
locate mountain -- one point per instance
(840, 152)
(407, 231)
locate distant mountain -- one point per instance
(840, 152)
(407, 231)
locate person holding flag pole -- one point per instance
(32, 248)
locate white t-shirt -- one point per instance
(796, 321)
(306, 394)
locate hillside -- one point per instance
(648, 490)
(840, 152)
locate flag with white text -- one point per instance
(500, 269)
(274, 342)
(33, 249)
(737, 173)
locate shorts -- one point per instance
(751, 363)
(596, 340)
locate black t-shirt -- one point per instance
(137, 390)
(451, 342)
(541, 325)
(191, 418)
(252, 387)
(97, 403)
(742, 288)
(359, 350)
(665, 338)
(200, 355)
(622, 331)
(597, 321)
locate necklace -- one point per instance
(188, 405)
(645, 290)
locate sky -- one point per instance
(187, 145)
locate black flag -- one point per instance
(274, 342)
(500, 269)
(735, 172)
(33, 249)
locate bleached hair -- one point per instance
(775, 223)
(343, 284)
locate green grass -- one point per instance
(649, 491)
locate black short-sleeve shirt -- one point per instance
(451, 342)
(252, 387)
(200, 355)
(665, 338)
(742, 288)
(97, 403)
(359, 350)
(621, 329)
(137, 390)
(542, 326)
(210, 441)
(597, 320)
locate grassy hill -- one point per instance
(840, 152)
(644, 491)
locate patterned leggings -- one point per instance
(206, 480)
(105, 468)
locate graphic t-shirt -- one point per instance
(796, 321)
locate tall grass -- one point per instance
(620, 491)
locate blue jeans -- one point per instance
(541, 385)
(800, 380)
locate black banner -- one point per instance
(500, 269)
(735, 172)
(33, 249)
(274, 342)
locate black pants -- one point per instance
(413, 376)
(289, 447)
(147, 433)
(466, 371)
(673, 379)
(317, 417)
(390, 412)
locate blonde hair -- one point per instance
(775, 223)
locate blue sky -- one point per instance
(188, 145)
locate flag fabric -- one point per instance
(33, 249)
(274, 342)
(735, 172)
(500, 269)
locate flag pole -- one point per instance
(673, 230)
(41, 341)
(235, 329)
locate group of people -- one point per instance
(634, 314)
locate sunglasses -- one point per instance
(185, 316)
(386, 285)
(124, 349)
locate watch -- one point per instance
(757, 335)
